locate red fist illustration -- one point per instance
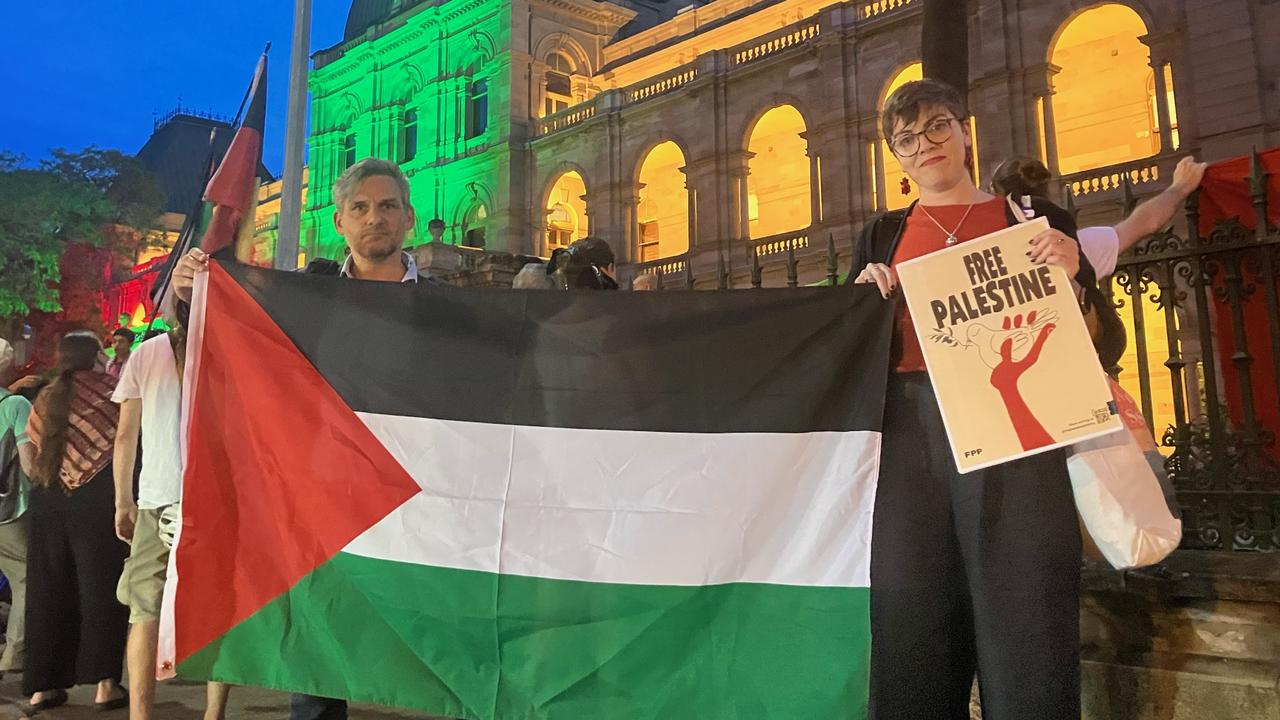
(1005, 376)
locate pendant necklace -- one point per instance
(951, 235)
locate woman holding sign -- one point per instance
(975, 572)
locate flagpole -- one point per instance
(294, 138)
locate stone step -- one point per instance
(1131, 623)
(1177, 686)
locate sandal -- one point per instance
(52, 700)
(116, 703)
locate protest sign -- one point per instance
(1007, 349)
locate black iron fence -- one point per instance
(1203, 359)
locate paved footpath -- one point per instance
(181, 700)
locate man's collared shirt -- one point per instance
(410, 268)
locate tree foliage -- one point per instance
(93, 197)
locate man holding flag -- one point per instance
(373, 215)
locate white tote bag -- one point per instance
(1122, 494)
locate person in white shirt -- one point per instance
(150, 396)
(1102, 244)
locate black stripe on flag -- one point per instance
(770, 360)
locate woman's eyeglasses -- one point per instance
(938, 131)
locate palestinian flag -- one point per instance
(499, 504)
(232, 190)
(222, 220)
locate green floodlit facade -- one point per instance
(430, 88)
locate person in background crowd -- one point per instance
(587, 264)
(1102, 244)
(75, 628)
(14, 412)
(977, 571)
(122, 343)
(150, 397)
(645, 281)
(533, 276)
(6, 359)
(28, 386)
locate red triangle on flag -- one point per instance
(281, 474)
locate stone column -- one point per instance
(631, 227)
(739, 168)
(815, 180)
(878, 151)
(691, 195)
(1040, 86)
(702, 181)
(1158, 58)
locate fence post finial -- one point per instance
(1258, 176)
(833, 260)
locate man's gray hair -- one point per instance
(363, 170)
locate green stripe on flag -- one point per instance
(426, 638)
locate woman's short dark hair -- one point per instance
(125, 333)
(1020, 176)
(905, 103)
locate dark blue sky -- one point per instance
(93, 73)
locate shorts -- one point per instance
(141, 587)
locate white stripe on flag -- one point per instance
(631, 507)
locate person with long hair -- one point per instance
(75, 628)
(977, 572)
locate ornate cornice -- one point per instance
(600, 12)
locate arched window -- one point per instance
(566, 211)
(778, 183)
(899, 191)
(562, 226)
(559, 86)
(662, 214)
(409, 136)
(477, 108)
(1104, 102)
(348, 150)
(473, 225)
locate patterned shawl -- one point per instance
(91, 428)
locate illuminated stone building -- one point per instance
(677, 130)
